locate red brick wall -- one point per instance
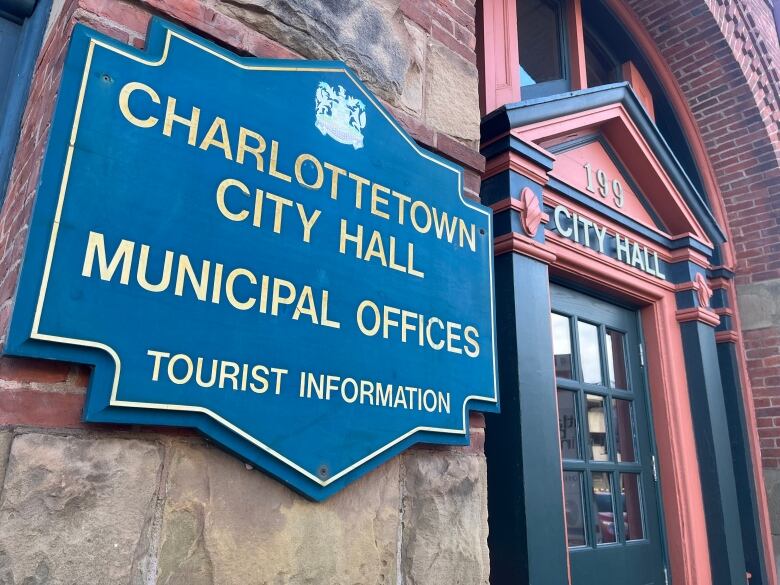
(725, 57)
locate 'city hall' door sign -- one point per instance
(254, 248)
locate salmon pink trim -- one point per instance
(688, 254)
(514, 205)
(578, 73)
(753, 441)
(703, 290)
(500, 71)
(511, 161)
(707, 316)
(726, 337)
(686, 528)
(639, 86)
(531, 214)
(514, 242)
(616, 125)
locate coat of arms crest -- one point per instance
(340, 116)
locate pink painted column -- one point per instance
(500, 67)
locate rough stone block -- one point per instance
(451, 93)
(413, 87)
(772, 484)
(445, 519)
(369, 36)
(776, 547)
(228, 525)
(5, 447)
(759, 304)
(75, 510)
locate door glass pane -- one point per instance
(616, 360)
(539, 41)
(597, 427)
(562, 346)
(575, 512)
(603, 510)
(632, 508)
(590, 353)
(567, 424)
(625, 435)
(599, 66)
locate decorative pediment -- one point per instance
(605, 148)
(592, 166)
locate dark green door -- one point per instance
(609, 473)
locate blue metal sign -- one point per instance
(256, 249)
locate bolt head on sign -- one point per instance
(255, 249)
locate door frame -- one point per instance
(584, 289)
(667, 387)
(688, 318)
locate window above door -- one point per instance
(541, 33)
(533, 49)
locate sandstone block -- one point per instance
(776, 547)
(75, 510)
(451, 94)
(413, 87)
(229, 525)
(445, 519)
(772, 484)
(759, 304)
(369, 36)
(5, 446)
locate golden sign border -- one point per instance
(114, 401)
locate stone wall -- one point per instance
(95, 504)
(121, 507)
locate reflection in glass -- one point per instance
(590, 354)
(575, 513)
(539, 41)
(623, 423)
(597, 427)
(616, 360)
(603, 508)
(632, 509)
(567, 424)
(562, 346)
(600, 67)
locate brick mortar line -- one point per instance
(765, 69)
(760, 55)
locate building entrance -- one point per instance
(608, 455)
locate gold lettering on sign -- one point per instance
(239, 144)
(242, 288)
(124, 104)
